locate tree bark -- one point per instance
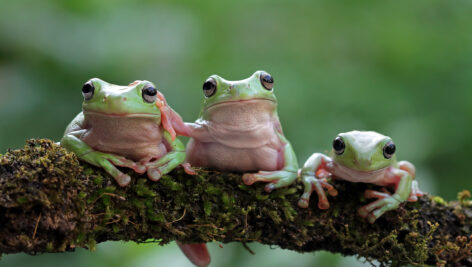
(51, 202)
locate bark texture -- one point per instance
(51, 202)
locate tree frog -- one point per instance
(128, 126)
(239, 130)
(361, 156)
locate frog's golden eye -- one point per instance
(209, 87)
(149, 93)
(389, 150)
(87, 90)
(267, 81)
(338, 145)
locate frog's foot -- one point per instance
(276, 179)
(311, 184)
(374, 210)
(376, 194)
(415, 192)
(108, 163)
(155, 169)
(188, 168)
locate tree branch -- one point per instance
(49, 202)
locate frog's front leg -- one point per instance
(165, 164)
(104, 160)
(386, 202)
(314, 174)
(279, 178)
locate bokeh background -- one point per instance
(403, 68)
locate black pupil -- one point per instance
(208, 85)
(87, 88)
(390, 149)
(150, 91)
(267, 78)
(338, 144)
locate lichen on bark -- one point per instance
(51, 202)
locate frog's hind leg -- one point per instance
(104, 160)
(415, 190)
(276, 179)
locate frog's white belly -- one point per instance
(256, 150)
(225, 158)
(131, 137)
(243, 138)
(379, 177)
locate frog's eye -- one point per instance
(389, 150)
(267, 81)
(149, 93)
(209, 87)
(338, 145)
(87, 90)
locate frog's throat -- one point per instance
(121, 115)
(352, 175)
(229, 102)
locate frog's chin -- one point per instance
(365, 176)
(241, 101)
(120, 115)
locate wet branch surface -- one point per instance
(50, 202)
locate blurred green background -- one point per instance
(403, 68)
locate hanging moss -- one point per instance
(50, 202)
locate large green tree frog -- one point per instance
(239, 130)
(361, 156)
(129, 126)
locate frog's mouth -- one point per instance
(120, 115)
(241, 101)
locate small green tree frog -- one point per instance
(361, 156)
(239, 130)
(129, 126)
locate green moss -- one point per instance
(48, 182)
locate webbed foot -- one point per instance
(374, 210)
(311, 184)
(157, 168)
(276, 179)
(108, 163)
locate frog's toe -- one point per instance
(139, 168)
(154, 174)
(269, 188)
(303, 203)
(249, 179)
(375, 194)
(123, 179)
(188, 169)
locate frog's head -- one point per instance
(138, 99)
(218, 91)
(363, 151)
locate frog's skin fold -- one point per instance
(121, 126)
(361, 156)
(239, 130)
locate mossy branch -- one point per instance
(49, 202)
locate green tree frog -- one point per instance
(239, 130)
(361, 156)
(128, 126)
